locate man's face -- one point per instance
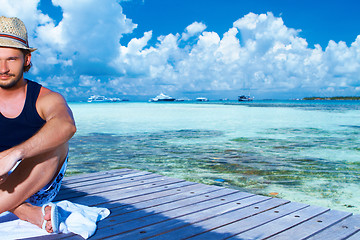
(12, 63)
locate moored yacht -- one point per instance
(97, 98)
(202, 99)
(162, 98)
(244, 98)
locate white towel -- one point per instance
(75, 218)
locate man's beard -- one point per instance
(11, 83)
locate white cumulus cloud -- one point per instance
(192, 30)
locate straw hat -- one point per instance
(13, 33)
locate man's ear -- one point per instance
(27, 59)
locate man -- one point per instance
(35, 127)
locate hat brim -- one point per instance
(13, 44)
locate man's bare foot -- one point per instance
(34, 215)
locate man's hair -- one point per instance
(26, 52)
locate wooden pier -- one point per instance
(145, 205)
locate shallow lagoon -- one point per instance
(304, 151)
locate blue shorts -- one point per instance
(48, 193)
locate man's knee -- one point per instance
(52, 160)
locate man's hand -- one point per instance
(8, 160)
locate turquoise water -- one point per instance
(304, 151)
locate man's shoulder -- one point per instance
(49, 101)
(49, 97)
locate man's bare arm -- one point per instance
(57, 130)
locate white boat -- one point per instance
(244, 98)
(202, 99)
(183, 99)
(97, 98)
(115, 100)
(162, 98)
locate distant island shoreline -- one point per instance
(331, 98)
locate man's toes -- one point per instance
(47, 215)
(49, 227)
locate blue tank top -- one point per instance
(14, 131)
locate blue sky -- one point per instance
(320, 21)
(215, 48)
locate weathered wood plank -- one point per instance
(108, 179)
(341, 230)
(170, 196)
(114, 195)
(355, 236)
(313, 226)
(90, 176)
(132, 221)
(217, 214)
(213, 230)
(117, 186)
(280, 224)
(238, 221)
(114, 184)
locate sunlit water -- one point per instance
(302, 151)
